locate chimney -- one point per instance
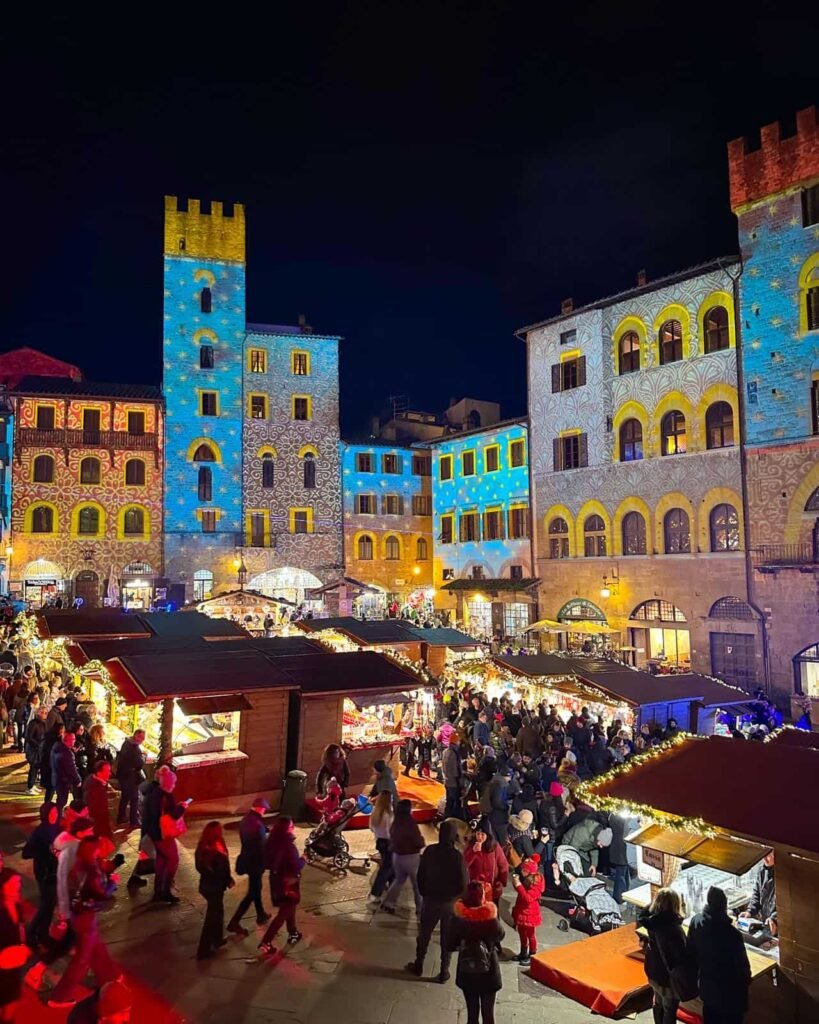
(303, 325)
(641, 279)
(566, 306)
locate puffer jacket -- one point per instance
(583, 838)
(526, 910)
(469, 925)
(487, 866)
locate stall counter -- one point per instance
(209, 776)
(360, 759)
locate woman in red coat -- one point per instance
(526, 911)
(285, 864)
(485, 860)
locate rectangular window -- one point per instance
(422, 465)
(301, 407)
(208, 403)
(469, 527)
(257, 360)
(391, 463)
(257, 530)
(814, 405)
(447, 528)
(136, 422)
(733, 658)
(209, 520)
(517, 453)
(257, 407)
(468, 463)
(516, 572)
(569, 374)
(491, 457)
(570, 452)
(365, 504)
(493, 525)
(206, 357)
(301, 520)
(364, 462)
(422, 504)
(45, 417)
(300, 364)
(392, 505)
(568, 337)
(445, 467)
(519, 523)
(810, 206)
(515, 614)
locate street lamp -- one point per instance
(611, 584)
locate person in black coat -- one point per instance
(476, 933)
(213, 865)
(130, 774)
(618, 856)
(665, 949)
(35, 734)
(38, 849)
(717, 949)
(64, 773)
(250, 862)
(52, 736)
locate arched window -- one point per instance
(134, 522)
(205, 301)
(716, 329)
(135, 473)
(205, 484)
(594, 537)
(719, 426)
(365, 548)
(676, 532)
(204, 453)
(812, 300)
(206, 357)
(812, 504)
(392, 548)
(42, 519)
(634, 534)
(671, 350)
(631, 441)
(309, 471)
(473, 419)
(731, 608)
(672, 433)
(558, 538)
(43, 470)
(268, 471)
(90, 471)
(724, 528)
(629, 352)
(88, 522)
(421, 550)
(202, 584)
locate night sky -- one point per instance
(421, 179)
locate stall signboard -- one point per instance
(653, 858)
(650, 865)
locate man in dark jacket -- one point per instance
(763, 900)
(64, 774)
(618, 856)
(480, 731)
(56, 715)
(250, 862)
(722, 962)
(453, 776)
(130, 773)
(442, 878)
(35, 734)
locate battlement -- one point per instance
(214, 235)
(778, 164)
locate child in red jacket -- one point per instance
(526, 911)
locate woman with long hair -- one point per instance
(485, 860)
(213, 864)
(665, 950)
(285, 865)
(333, 766)
(381, 819)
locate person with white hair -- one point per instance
(163, 821)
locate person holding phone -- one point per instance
(163, 823)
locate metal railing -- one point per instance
(62, 438)
(778, 555)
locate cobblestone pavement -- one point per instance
(347, 970)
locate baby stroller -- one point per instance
(593, 909)
(326, 841)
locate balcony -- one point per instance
(770, 557)
(33, 437)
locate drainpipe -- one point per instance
(743, 474)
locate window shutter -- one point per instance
(400, 505)
(583, 449)
(556, 451)
(555, 378)
(581, 371)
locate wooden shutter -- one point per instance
(581, 371)
(400, 505)
(555, 378)
(583, 450)
(556, 454)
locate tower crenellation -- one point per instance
(213, 235)
(779, 163)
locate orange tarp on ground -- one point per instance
(596, 972)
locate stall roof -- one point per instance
(493, 586)
(352, 672)
(792, 737)
(91, 623)
(239, 598)
(443, 636)
(730, 784)
(191, 624)
(276, 646)
(364, 631)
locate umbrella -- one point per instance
(546, 626)
(591, 628)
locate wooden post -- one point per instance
(166, 733)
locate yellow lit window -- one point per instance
(300, 364)
(257, 407)
(447, 528)
(257, 360)
(445, 467)
(208, 403)
(517, 453)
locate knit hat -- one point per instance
(379, 765)
(523, 821)
(555, 789)
(570, 756)
(114, 998)
(529, 866)
(604, 837)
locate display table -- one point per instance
(209, 776)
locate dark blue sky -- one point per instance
(422, 179)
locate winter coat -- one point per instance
(451, 766)
(252, 833)
(522, 841)
(470, 925)
(763, 899)
(64, 774)
(214, 872)
(55, 717)
(717, 949)
(618, 851)
(528, 741)
(82, 755)
(498, 807)
(487, 865)
(666, 946)
(38, 849)
(405, 836)
(442, 875)
(583, 838)
(526, 910)
(35, 734)
(130, 763)
(552, 815)
(285, 864)
(385, 783)
(155, 804)
(598, 758)
(95, 794)
(338, 770)
(48, 744)
(480, 733)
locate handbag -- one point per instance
(171, 827)
(682, 979)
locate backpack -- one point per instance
(475, 958)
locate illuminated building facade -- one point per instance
(482, 567)
(775, 195)
(388, 543)
(636, 472)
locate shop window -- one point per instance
(45, 417)
(364, 462)
(671, 346)
(594, 537)
(392, 505)
(205, 484)
(300, 364)
(366, 504)
(492, 458)
(43, 470)
(136, 423)
(719, 425)
(268, 472)
(421, 550)
(208, 403)
(717, 336)
(724, 528)
(42, 519)
(631, 441)
(470, 527)
(468, 463)
(202, 584)
(209, 520)
(445, 467)
(204, 453)
(733, 658)
(301, 407)
(134, 523)
(515, 618)
(206, 357)
(309, 471)
(135, 473)
(88, 522)
(365, 548)
(519, 523)
(205, 301)
(422, 504)
(673, 433)
(493, 526)
(629, 353)
(558, 538)
(257, 409)
(517, 453)
(480, 618)
(257, 360)
(392, 548)
(391, 463)
(422, 465)
(634, 534)
(676, 532)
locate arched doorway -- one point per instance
(581, 610)
(289, 583)
(87, 587)
(663, 635)
(590, 635)
(806, 671)
(43, 582)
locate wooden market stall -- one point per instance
(247, 608)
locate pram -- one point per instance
(593, 910)
(327, 842)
